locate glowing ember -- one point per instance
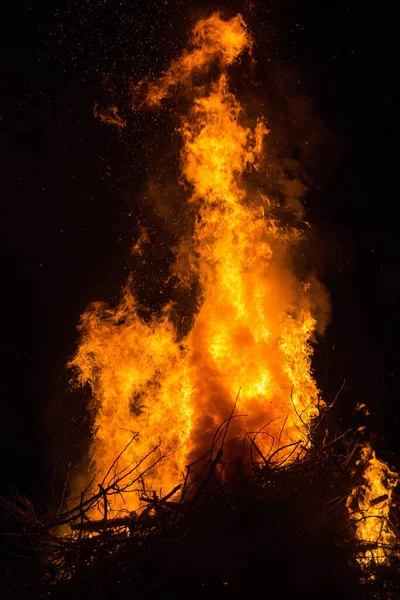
(253, 320)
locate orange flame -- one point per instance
(212, 39)
(369, 507)
(109, 116)
(254, 321)
(254, 318)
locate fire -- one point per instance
(253, 322)
(369, 507)
(211, 39)
(253, 319)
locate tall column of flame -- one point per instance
(253, 324)
(253, 319)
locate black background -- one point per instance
(73, 190)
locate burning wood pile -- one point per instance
(270, 490)
(212, 535)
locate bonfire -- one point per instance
(214, 465)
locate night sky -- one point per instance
(73, 191)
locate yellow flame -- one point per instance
(253, 320)
(369, 507)
(253, 325)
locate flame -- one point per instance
(253, 322)
(369, 507)
(212, 39)
(253, 319)
(109, 116)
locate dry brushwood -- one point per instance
(282, 506)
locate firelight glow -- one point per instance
(253, 319)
